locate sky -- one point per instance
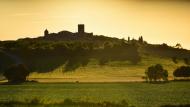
(158, 21)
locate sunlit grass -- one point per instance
(137, 94)
(113, 71)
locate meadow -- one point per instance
(136, 94)
(113, 71)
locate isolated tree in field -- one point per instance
(183, 71)
(156, 72)
(16, 73)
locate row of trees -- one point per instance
(157, 73)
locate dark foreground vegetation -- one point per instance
(70, 103)
(65, 103)
(182, 105)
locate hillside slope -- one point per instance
(114, 71)
(89, 57)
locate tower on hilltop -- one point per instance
(81, 28)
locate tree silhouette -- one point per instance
(178, 45)
(141, 39)
(156, 72)
(183, 71)
(16, 73)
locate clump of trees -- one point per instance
(155, 73)
(16, 73)
(71, 51)
(183, 71)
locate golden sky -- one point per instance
(158, 21)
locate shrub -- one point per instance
(183, 71)
(16, 73)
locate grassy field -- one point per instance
(114, 71)
(134, 93)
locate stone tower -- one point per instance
(81, 28)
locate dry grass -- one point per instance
(111, 72)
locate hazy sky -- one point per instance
(158, 21)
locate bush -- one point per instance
(16, 73)
(156, 72)
(183, 71)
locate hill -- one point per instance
(92, 57)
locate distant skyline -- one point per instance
(158, 21)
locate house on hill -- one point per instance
(67, 35)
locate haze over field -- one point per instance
(157, 21)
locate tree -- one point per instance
(178, 45)
(165, 45)
(141, 39)
(156, 72)
(16, 73)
